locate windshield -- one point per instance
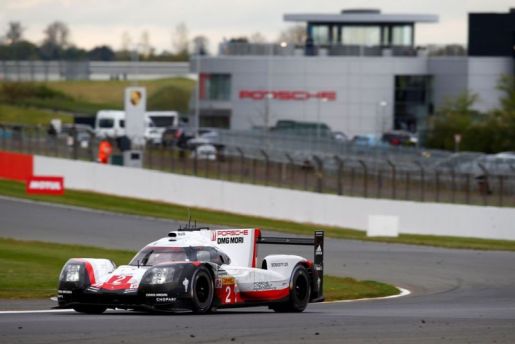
(162, 121)
(105, 123)
(157, 255)
(150, 256)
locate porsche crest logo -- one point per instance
(135, 98)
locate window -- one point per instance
(122, 123)
(402, 35)
(215, 87)
(413, 101)
(361, 35)
(320, 34)
(105, 123)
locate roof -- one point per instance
(372, 17)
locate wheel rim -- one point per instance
(301, 288)
(202, 289)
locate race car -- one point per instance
(199, 270)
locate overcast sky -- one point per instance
(97, 22)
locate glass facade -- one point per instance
(215, 87)
(413, 102)
(361, 34)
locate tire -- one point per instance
(300, 291)
(89, 309)
(202, 291)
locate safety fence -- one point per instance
(350, 175)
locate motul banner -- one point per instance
(45, 185)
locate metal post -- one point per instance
(339, 162)
(267, 166)
(501, 190)
(319, 173)
(453, 185)
(437, 185)
(365, 178)
(485, 189)
(467, 190)
(291, 166)
(242, 168)
(422, 179)
(394, 178)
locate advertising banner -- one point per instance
(45, 185)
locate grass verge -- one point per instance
(30, 116)
(176, 212)
(30, 269)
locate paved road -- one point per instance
(458, 295)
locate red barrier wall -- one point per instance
(16, 166)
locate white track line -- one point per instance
(38, 311)
(404, 292)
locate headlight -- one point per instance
(72, 273)
(161, 275)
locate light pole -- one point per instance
(197, 98)
(383, 104)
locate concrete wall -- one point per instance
(299, 206)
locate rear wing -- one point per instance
(318, 253)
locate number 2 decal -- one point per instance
(228, 292)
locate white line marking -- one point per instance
(404, 292)
(38, 311)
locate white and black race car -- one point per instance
(199, 270)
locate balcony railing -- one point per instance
(266, 49)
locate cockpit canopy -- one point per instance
(150, 256)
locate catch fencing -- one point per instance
(385, 173)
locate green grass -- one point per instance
(29, 116)
(346, 288)
(111, 93)
(30, 269)
(177, 212)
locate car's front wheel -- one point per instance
(203, 290)
(89, 309)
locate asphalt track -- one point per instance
(458, 296)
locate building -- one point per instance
(359, 72)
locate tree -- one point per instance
(180, 41)
(454, 118)
(257, 38)
(14, 33)
(56, 41)
(293, 35)
(507, 87)
(57, 34)
(101, 53)
(200, 45)
(146, 48)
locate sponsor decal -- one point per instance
(64, 292)
(165, 299)
(279, 265)
(287, 95)
(262, 286)
(185, 283)
(156, 294)
(318, 251)
(45, 185)
(231, 236)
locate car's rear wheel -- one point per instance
(300, 290)
(89, 309)
(203, 291)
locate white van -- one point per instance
(110, 123)
(156, 123)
